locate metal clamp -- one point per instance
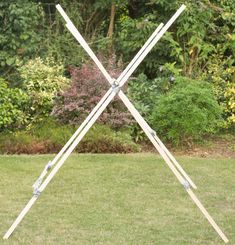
(186, 185)
(153, 133)
(36, 192)
(38, 182)
(48, 166)
(115, 86)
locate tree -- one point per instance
(19, 33)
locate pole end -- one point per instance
(58, 6)
(6, 236)
(183, 7)
(63, 14)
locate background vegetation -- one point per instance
(185, 87)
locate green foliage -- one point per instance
(49, 136)
(140, 91)
(131, 36)
(200, 46)
(230, 95)
(92, 22)
(202, 30)
(42, 80)
(203, 46)
(145, 92)
(19, 33)
(100, 138)
(59, 43)
(55, 133)
(64, 48)
(21, 142)
(13, 101)
(221, 73)
(187, 112)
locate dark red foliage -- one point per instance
(87, 88)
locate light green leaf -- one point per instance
(10, 61)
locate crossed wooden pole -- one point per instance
(115, 89)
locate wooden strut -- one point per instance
(180, 174)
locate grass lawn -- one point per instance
(117, 199)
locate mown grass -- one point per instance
(117, 199)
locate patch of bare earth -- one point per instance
(214, 147)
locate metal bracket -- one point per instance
(48, 166)
(36, 192)
(38, 182)
(153, 133)
(186, 185)
(115, 86)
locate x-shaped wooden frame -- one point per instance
(115, 89)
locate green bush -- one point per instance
(132, 34)
(53, 132)
(13, 101)
(22, 143)
(140, 90)
(42, 80)
(20, 34)
(187, 112)
(102, 139)
(221, 73)
(144, 93)
(230, 96)
(99, 139)
(50, 137)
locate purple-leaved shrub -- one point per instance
(87, 87)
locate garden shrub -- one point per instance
(13, 104)
(20, 34)
(53, 132)
(99, 139)
(144, 93)
(58, 41)
(49, 137)
(133, 33)
(187, 112)
(230, 96)
(139, 90)
(22, 143)
(102, 139)
(87, 88)
(42, 80)
(221, 73)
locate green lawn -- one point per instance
(117, 199)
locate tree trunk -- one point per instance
(111, 22)
(111, 26)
